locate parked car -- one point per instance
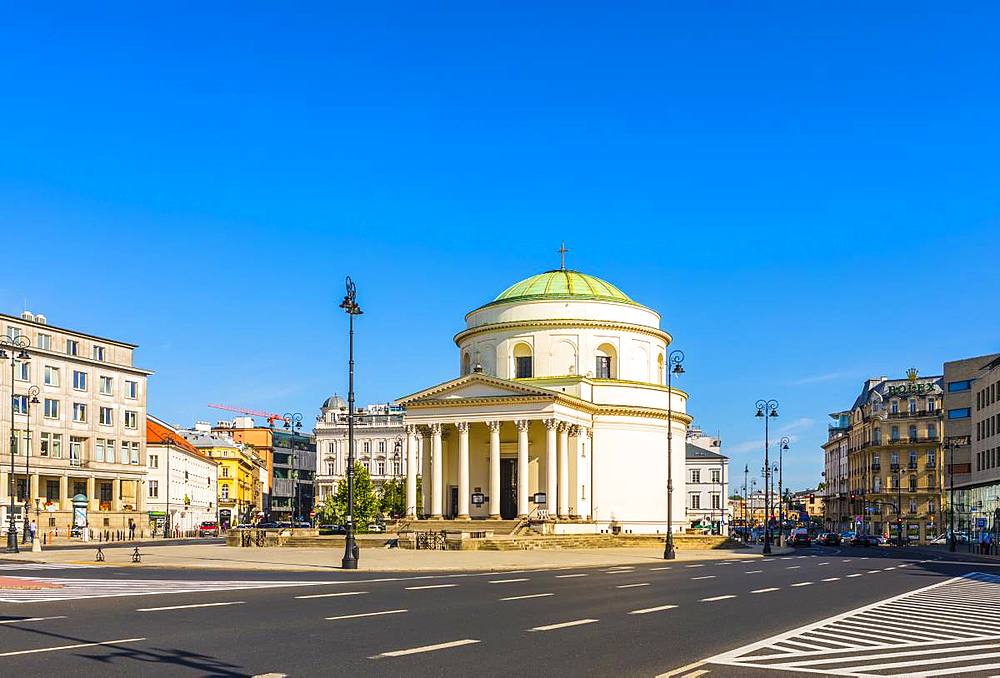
(332, 529)
(863, 540)
(209, 528)
(267, 525)
(303, 523)
(801, 537)
(376, 527)
(829, 539)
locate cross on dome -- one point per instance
(562, 254)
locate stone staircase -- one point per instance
(595, 541)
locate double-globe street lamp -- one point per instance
(674, 360)
(16, 346)
(293, 424)
(351, 308)
(782, 448)
(767, 409)
(26, 403)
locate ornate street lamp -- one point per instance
(293, 424)
(32, 399)
(350, 306)
(782, 448)
(767, 409)
(674, 361)
(16, 346)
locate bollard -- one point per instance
(100, 555)
(136, 556)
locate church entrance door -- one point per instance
(508, 485)
(453, 501)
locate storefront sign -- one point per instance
(910, 389)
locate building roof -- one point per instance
(334, 402)
(695, 452)
(160, 433)
(563, 284)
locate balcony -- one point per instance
(912, 466)
(876, 467)
(931, 465)
(918, 413)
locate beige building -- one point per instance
(87, 428)
(981, 495)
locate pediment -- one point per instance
(475, 386)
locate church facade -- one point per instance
(561, 411)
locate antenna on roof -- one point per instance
(562, 255)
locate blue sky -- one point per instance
(803, 192)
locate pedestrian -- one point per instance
(987, 543)
(131, 529)
(31, 530)
(983, 547)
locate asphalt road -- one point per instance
(625, 621)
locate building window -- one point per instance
(154, 489)
(605, 362)
(932, 431)
(913, 433)
(225, 491)
(878, 436)
(931, 404)
(99, 353)
(106, 417)
(959, 413)
(79, 380)
(51, 376)
(131, 419)
(716, 477)
(367, 446)
(154, 461)
(913, 405)
(55, 445)
(225, 471)
(20, 404)
(696, 476)
(45, 342)
(913, 483)
(603, 370)
(22, 370)
(51, 408)
(380, 466)
(13, 332)
(381, 447)
(955, 386)
(913, 507)
(397, 467)
(716, 501)
(695, 501)
(134, 454)
(331, 468)
(99, 450)
(79, 413)
(894, 433)
(131, 389)
(107, 383)
(72, 347)
(522, 362)
(894, 407)
(931, 506)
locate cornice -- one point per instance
(563, 323)
(581, 405)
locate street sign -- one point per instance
(980, 522)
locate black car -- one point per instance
(332, 529)
(267, 526)
(801, 537)
(829, 539)
(863, 540)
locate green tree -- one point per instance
(366, 502)
(392, 497)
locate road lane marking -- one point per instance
(657, 569)
(753, 571)
(332, 595)
(694, 565)
(365, 614)
(678, 671)
(803, 583)
(530, 595)
(658, 608)
(507, 581)
(818, 564)
(793, 567)
(620, 567)
(430, 586)
(427, 648)
(832, 579)
(715, 598)
(765, 590)
(188, 607)
(563, 625)
(568, 576)
(30, 619)
(70, 647)
(886, 569)
(708, 576)
(631, 586)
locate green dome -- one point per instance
(563, 284)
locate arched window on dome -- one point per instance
(523, 362)
(660, 376)
(606, 366)
(466, 363)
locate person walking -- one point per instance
(131, 529)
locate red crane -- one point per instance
(270, 416)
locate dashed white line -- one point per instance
(715, 598)
(699, 565)
(569, 576)
(631, 586)
(365, 614)
(530, 595)
(708, 576)
(658, 608)
(29, 619)
(753, 571)
(430, 586)
(563, 625)
(765, 590)
(793, 567)
(657, 569)
(803, 583)
(858, 574)
(427, 648)
(187, 607)
(832, 579)
(71, 647)
(332, 595)
(508, 581)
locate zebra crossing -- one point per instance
(951, 628)
(80, 589)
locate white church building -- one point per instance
(561, 412)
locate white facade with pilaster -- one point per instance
(560, 412)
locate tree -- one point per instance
(393, 497)
(366, 502)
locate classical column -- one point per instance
(116, 494)
(580, 435)
(91, 492)
(411, 471)
(437, 471)
(65, 502)
(494, 427)
(140, 497)
(563, 470)
(463, 469)
(550, 465)
(426, 480)
(33, 489)
(522, 467)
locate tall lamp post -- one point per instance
(350, 306)
(16, 346)
(674, 361)
(293, 424)
(32, 399)
(767, 409)
(746, 500)
(782, 448)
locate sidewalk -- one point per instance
(217, 556)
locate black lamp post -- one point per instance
(746, 500)
(674, 361)
(767, 409)
(16, 346)
(293, 424)
(32, 399)
(782, 448)
(350, 306)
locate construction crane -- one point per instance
(270, 416)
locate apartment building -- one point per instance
(239, 485)
(837, 515)
(182, 481)
(981, 493)
(78, 415)
(707, 482)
